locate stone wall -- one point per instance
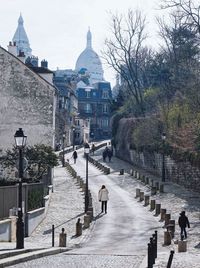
(179, 172)
(26, 101)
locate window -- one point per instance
(104, 122)
(105, 94)
(88, 108)
(87, 94)
(105, 108)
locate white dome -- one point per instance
(89, 59)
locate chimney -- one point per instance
(44, 64)
(21, 56)
(12, 48)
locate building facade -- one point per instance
(94, 93)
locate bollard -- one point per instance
(78, 227)
(167, 218)
(153, 190)
(161, 189)
(53, 235)
(106, 170)
(81, 183)
(155, 236)
(138, 175)
(153, 249)
(171, 229)
(167, 238)
(151, 183)
(86, 221)
(137, 192)
(143, 178)
(146, 180)
(163, 212)
(158, 209)
(146, 200)
(121, 172)
(152, 204)
(131, 172)
(157, 185)
(135, 174)
(149, 258)
(182, 246)
(170, 259)
(62, 238)
(78, 179)
(83, 187)
(141, 196)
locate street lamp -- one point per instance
(163, 156)
(63, 142)
(20, 141)
(86, 151)
(73, 138)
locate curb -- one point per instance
(30, 256)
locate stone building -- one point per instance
(94, 93)
(27, 100)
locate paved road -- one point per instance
(119, 238)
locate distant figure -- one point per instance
(105, 153)
(103, 198)
(93, 148)
(183, 223)
(75, 155)
(110, 154)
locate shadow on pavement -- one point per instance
(50, 230)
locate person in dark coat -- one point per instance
(93, 148)
(110, 154)
(183, 223)
(75, 155)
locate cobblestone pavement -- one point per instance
(83, 261)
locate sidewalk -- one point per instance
(69, 195)
(66, 206)
(174, 199)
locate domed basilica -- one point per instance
(90, 61)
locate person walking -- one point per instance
(103, 198)
(110, 154)
(183, 223)
(75, 156)
(93, 148)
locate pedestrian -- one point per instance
(110, 154)
(183, 223)
(93, 148)
(75, 156)
(103, 198)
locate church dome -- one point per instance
(90, 60)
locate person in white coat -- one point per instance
(103, 198)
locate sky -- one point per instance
(57, 28)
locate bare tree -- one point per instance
(188, 10)
(124, 52)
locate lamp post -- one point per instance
(20, 141)
(163, 156)
(86, 151)
(63, 158)
(73, 137)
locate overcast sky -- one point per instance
(57, 28)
